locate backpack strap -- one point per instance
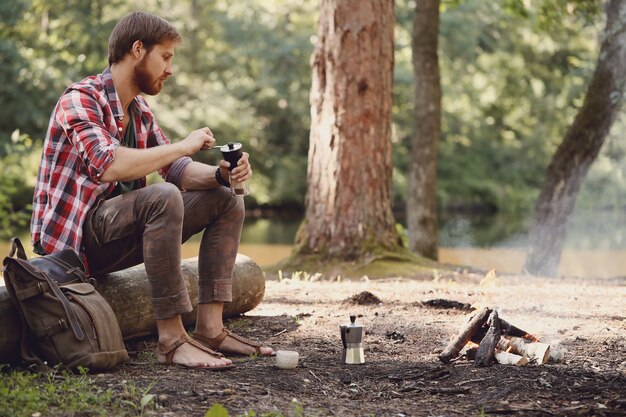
(16, 246)
(69, 311)
(33, 291)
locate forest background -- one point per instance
(512, 80)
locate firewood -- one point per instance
(510, 330)
(507, 330)
(469, 351)
(534, 351)
(486, 354)
(467, 331)
(506, 358)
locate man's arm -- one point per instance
(199, 176)
(130, 164)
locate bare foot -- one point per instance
(189, 355)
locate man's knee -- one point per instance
(167, 197)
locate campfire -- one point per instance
(487, 339)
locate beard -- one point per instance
(144, 80)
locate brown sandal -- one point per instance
(216, 342)
(169, 351)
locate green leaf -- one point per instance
(145, 400)
(216, 410)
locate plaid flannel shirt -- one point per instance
(83, 134)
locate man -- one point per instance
(91, 193)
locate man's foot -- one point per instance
(232, 344)
(188, 353)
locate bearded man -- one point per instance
(91, 194)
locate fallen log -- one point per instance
(128, 293)
(466, 333)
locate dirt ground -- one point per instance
(583, 319)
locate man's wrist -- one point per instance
(220, 180)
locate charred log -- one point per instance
(486, 354)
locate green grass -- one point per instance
(64, 393)
(218, 410)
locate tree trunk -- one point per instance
(579, 148)
(348, 206)
(422, 197)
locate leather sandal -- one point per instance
(216, 342)
(169, 351)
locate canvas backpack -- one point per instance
(65, 321)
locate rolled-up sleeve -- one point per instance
(175, 171)
(81, 116)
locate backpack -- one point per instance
(65, 321)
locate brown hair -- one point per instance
(139, 26)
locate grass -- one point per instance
(26, 394)
(218, 410)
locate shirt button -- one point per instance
(120, 129)
(121, 118)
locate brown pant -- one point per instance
(149, 225)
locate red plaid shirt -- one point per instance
(83, 134)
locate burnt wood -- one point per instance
(507, 329)
(486, 353)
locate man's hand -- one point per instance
(243, 170)
(201, 139)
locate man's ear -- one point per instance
(138, 50)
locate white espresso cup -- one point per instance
(287, 359)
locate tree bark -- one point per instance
(348, 206)
(128, 293)
(422, 198)
(579, 147)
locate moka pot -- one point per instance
(352, 339)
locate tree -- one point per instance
(348, 204)
(422, 198)
(579, 147)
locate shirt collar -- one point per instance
(114, 100)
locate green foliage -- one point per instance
(512, 80)
(16, 181)
(47, 44)
(22, 394)
(216, 410)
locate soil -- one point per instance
(584, 320)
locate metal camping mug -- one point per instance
(232, 152)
